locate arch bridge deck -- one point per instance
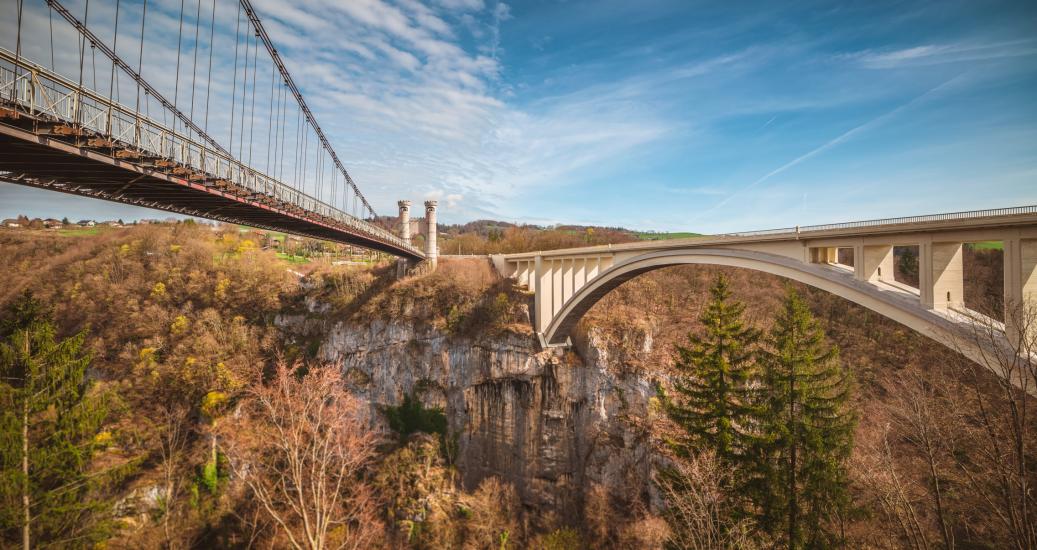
(568, 282)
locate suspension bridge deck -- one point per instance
(47, 162)
(60, 137)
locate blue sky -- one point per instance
(666, 115)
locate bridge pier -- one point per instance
(874, 263)
(1020, 264)
(941, 275)
(542, 301)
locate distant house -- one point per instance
(51, 223)
(10, 222)
(87, 223)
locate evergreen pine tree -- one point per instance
(712, 390)
(809, 425)
(48, 422)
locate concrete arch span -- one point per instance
(893, 303)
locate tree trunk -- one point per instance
(945, 529)
(25, 475)
(27, 391)
(792, 451)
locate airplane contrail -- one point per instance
(832, 143)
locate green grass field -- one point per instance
(77, 231)
(292, 259)
(988, 245)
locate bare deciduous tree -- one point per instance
(697, 499)
(172, 434)
(301, 446)
(1002, 472)
(922, 417)
(896, 494)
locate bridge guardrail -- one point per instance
(964, 215)
(37, 90)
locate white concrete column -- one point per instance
(542, 300)
(568, 267)
(580, 276)
(831, 255)
(431, 246)
(875, 263)
(404, 220)
(557, 286)
(925, 273)
(1020, 264)
(593, 266)
(946, 281)
(858, 262)
(521, 275)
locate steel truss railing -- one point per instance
(970, 214)
(36, 90)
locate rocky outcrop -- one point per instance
(550, 422)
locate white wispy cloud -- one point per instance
(411, 96)
(933, 54)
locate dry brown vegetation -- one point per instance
(181, 320)
(944, 448)
(525, 239)
(464, 297)
(182, 327)
(429, 511)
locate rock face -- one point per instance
(549, 422)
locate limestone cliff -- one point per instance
(553, 423)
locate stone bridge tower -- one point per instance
(404, 220)
(431, 247)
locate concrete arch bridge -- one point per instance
(567, 283)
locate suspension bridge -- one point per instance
(235, 141)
